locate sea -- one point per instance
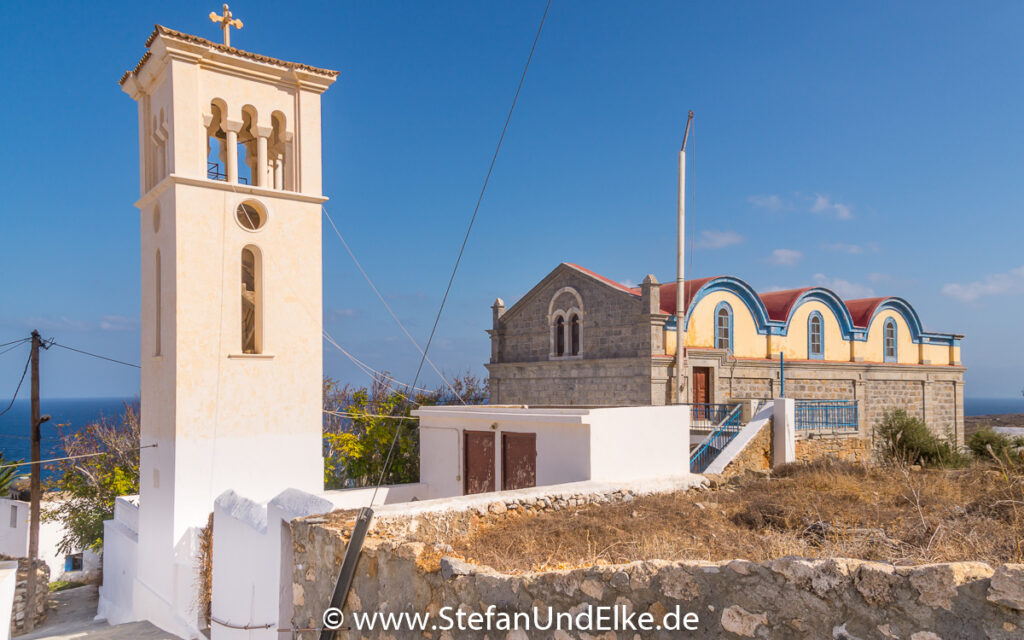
(66, 415)
(70, 414)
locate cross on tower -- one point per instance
(226, 23)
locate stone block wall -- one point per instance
(609, 320)
(605, 382)
(21, 595)
(932, 393)
(784, 598)
(851, 449)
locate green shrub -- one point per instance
(63, 585)
(907, 440)
(987, 443)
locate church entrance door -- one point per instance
(701, 385)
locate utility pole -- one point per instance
(680, 272)
(36, 490)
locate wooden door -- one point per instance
(518, 460)
(478, 462)
(701, 385)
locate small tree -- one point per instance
(907, 440)
(987, 444)
(89, 486)
(360, 426)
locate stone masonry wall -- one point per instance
(840, 447)
(934, 394)
(619, 382)
(609, 326)
(21, 595)
(784, 598)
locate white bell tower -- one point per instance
(230, 181)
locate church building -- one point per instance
(581, 339)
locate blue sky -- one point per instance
(872, 147)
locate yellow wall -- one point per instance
(794, 345)
(906, 350)
(747, 343)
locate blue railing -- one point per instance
(708, 416)
(719, 438)
(838, 416)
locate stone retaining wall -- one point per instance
(852, 449)
(21, 595)
(786, 598)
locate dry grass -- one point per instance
(826, 509)
(204, 567)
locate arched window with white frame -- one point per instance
(889, 341)
(815, 336)
(723, 326)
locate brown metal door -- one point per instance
(518, 460)
(701, 385)
(478, 462)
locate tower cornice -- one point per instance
(166, 43)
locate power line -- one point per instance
(469, 229)
(18, 388)
(94, 355)
(78, 457)
(365, 368)
(387, 306)
(15, 342)
(15, 346)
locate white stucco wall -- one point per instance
(14, 541)
(8, 581)
(573, 445)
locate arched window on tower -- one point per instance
(723, 326)
(277, 152)
(247, 146)
(815, 336)
(216, 153)
(574, 333)
(559, 336)
(889, 341)
(252, 301)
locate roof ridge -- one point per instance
(160, 30)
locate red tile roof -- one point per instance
(778, 304)
(862, 309)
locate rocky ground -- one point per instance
(820, 510)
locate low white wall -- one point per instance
(8, 582)
(631, 443)
(252, 554)
(573, 445)
(120, 562)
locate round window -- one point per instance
(250, 216)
